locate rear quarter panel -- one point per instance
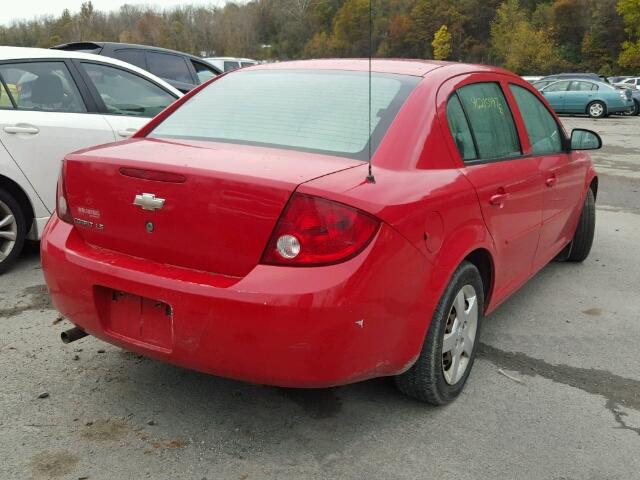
(10, 170)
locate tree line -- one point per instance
(527, 36)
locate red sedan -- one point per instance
(240, 233)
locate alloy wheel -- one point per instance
(596, 110)
(460, 335)
(8, 231)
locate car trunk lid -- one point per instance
(201, 205)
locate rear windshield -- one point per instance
(316, 111)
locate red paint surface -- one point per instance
(302, 326)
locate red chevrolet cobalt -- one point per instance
(241, 234)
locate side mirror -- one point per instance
(582, 139)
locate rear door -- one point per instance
(556, 94)
(508, 183)
(579, 95)
(563, 172)
(126, 99)
(48, 117)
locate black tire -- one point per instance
(425, 380)
(8, 258)
(636, 110)
(583, 238)
(603, 110)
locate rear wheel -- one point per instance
(450, 346)
(597, 109)
(583, 238)
(12, 230)
(636, 108)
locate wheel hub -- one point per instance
(8, 231)
(460, 335)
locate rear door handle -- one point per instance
(127, 132)
(551, 181)
(27, 129)
(498, 199)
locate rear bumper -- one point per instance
(622, 107)
(283, 326)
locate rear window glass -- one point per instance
(319, 111)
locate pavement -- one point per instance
(555, 393)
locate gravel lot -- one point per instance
(554, 395)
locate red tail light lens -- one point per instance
(313, 232)
(62, 206)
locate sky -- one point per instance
(28, 9)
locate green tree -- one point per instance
(428, 16)
(519, 46)
(630, 12)
(569, 25)
(441, 44)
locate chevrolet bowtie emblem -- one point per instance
(148, 201)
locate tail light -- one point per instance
(62, 206)
(313, 232)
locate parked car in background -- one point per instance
(301, 269)
(635, 93)
(633, 82)
(618, 79)
(228, 64)
(532, 79)
(586, 76)
(53, 102)
(181, 70)
(590, 97)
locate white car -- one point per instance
(51, 103)
(227, 64)
(633, 82)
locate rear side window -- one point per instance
(169, 67)
(124, 93)
(582, 86)
(317, 111)
(42, 86)
(557, 87)
(230, 66)
(490, 120)
(203, 72)
(460, 129)
(544, 133)
(132, 56)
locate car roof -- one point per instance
(231, 59)
(578, 79)
(89, 44)
(25, 53)
(576, 74)
(418, 68)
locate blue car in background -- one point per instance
(581, 96)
